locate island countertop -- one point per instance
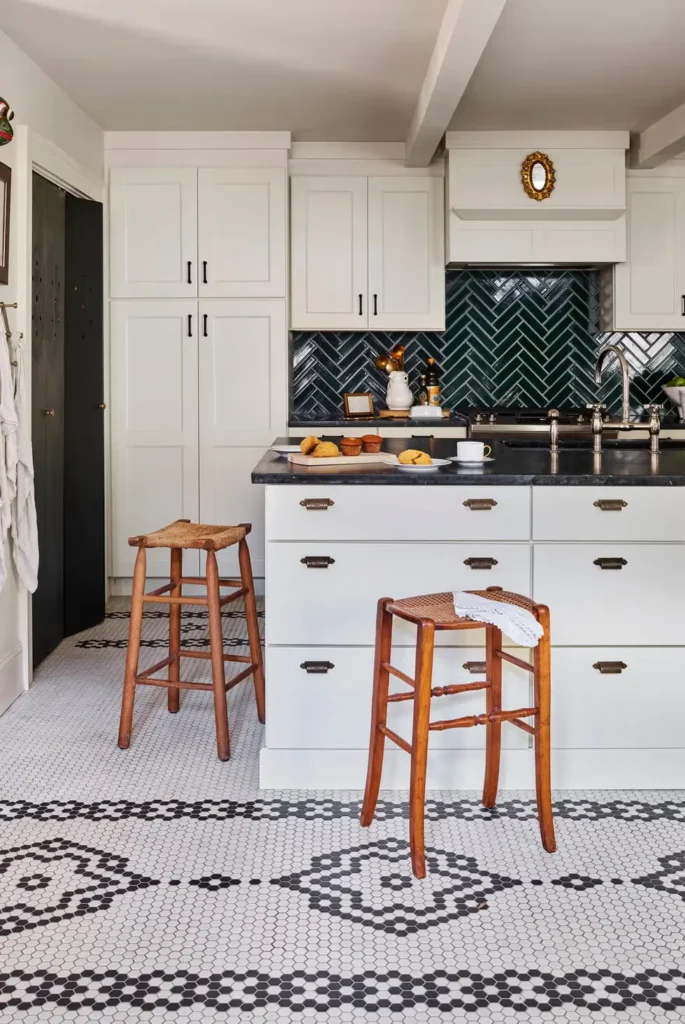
(510, 466)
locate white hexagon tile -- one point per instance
(158, 884)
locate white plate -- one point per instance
(471, 462)
(285, 449)
(437, 463)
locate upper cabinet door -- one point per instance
(153, 232)
(406, 254)
(242, 231)
(328, 253)
(649, 288)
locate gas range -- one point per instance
(505, 421)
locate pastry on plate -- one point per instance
(413, 457)
(325, 450)
(308, 444)
(372, 443)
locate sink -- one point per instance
(585, 444)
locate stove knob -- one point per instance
(581, 418)
(492, 418)
(479, 418)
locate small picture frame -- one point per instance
(358, 404)
(5, 196)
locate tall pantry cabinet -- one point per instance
(198, 349)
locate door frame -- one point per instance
(35, 153)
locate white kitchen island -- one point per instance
(601, 543)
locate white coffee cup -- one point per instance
(472, 451)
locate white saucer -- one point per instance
(437, 463)
(472, 462)
(285, 449)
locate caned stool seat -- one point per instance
(178, 536)
(182, 534)
(430, 613)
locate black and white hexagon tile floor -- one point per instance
(159, 884)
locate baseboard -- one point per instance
(11, 682)
(120, 586)
(463, 770)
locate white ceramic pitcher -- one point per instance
(398, 395)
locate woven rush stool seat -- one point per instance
(179, 536)
(431, 613)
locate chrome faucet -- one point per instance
(625, 376)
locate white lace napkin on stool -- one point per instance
(518, 624)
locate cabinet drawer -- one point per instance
(609, 513)
(313, 710)
(642, 603)
(337, 604)
(397, 513)
(642, 706)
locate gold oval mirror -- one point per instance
(537, 175)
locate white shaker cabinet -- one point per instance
(406, 254)
(243, 406)
(154, 400)
(242, 231)
(328, 227)
(649, 288)
(367, 252)
(153, 232)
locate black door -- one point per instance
(47, 386)
(84, 471)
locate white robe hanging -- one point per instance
(8, 453)
(24, 526)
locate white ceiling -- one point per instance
(351, 69)
(324, 69)
(578, 64)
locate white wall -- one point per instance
(42, 111)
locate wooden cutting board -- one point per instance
(297, 459)
(395, 414)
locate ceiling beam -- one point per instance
(464, 32)
(661, 140)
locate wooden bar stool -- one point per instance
(178, 536)
(436, 612)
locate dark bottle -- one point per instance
(423, 390)
(432, 382)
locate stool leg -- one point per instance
(542, 700)
(252, 628)
(493, 702)
(379, 709)
(173, 693)
(133, 652)
(419, 744)
(216, 643)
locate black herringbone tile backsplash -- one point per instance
(513, 337)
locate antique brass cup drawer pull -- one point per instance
(480, 504)
(317, 504)
(610, 504)
(610, 668)
(476, 668)
(480, 563)
(317, 561)
(610, 563)
(317, 667)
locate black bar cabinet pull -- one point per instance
(610, 563)
(190, 279)
(317, 561)
(317, 667)
(190, 325)
(610, 668)
(204, 271)
(375, 305)
(204, 328)
(361, 308)
(317, 504)
(476, 668)
(480, 504)
(480, 563)
(682, 305)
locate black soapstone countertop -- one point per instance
(401, 422)
(510, 466)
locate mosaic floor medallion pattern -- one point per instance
(160, 884)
